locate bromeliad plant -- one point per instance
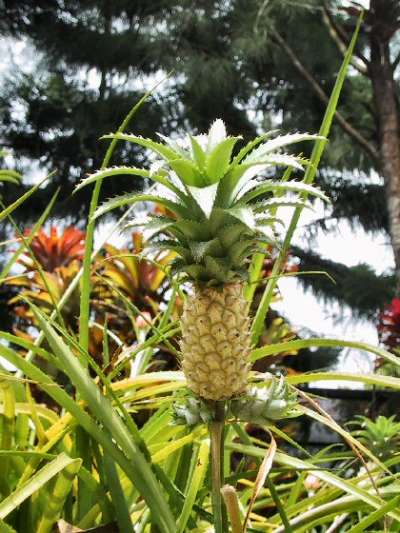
(121, 278)
(382, 435)
(220, 215)
(54, 250)
(49, 266)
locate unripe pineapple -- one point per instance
(216, 215)
(263, 404)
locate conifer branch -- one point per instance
(396, 62)
(345, 125)
(358, 61)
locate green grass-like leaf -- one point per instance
(108, 416)
(309, 177)
(45, 474)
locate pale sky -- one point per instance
(349, 247)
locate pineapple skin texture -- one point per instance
(216, 342)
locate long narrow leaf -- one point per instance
(133, 198)
(9, 504)
(318, 149)
(30, 237)
(194, 485)
(53, 500)
(117, 496)
(9, 209)
(104, 412)
(274, 349)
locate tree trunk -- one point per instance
(387, 113)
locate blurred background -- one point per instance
(70, 71)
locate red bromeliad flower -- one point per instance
(389, 325)
(54, 250)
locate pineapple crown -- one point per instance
(216, 212)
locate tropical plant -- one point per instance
(54, 251)
(95, 461)
(124, 285)
(382, 436)
(221, 216)
(388, 326)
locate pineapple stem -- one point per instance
(216, 429)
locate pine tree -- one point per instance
(258, 65)
(93, 59)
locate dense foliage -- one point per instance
(106, 432)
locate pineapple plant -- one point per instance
(216, 213)
(381, 435)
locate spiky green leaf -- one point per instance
(239, 250)
(201, 249)
(172, 246)
(196, 272)
(194, 230)
(159, 148)
(251, 145)
(187, 172)
(198, 153)
(274, 203)
(277, 186)
(284, 160)
(110, 172)
(216, 134)
(279, 142)
(244, 214)
(132, 198)
(153, 225)
(229, 234)
(218, 161)
(205, 197)
(217, 267)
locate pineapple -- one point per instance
(216, 341)
(216, 214)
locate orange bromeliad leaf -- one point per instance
(56, 250)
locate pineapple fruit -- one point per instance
(216, 213)
(216, 341)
